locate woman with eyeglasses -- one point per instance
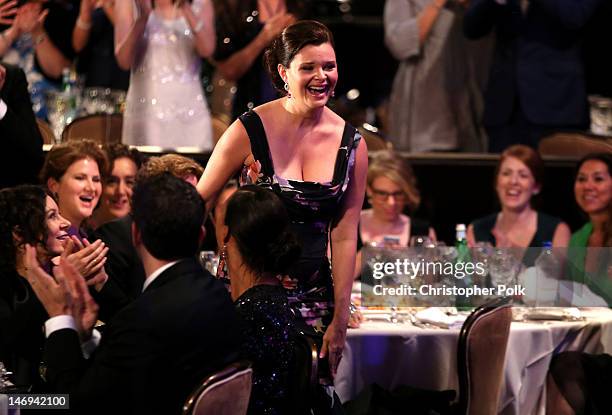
(391, 189)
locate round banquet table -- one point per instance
(394, 354)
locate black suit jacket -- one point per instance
(123, 266)
(155, 350)
(22, 155)
(537, 60)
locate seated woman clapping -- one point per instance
(259, 247)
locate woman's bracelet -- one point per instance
(83, 25)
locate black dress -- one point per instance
(22, 317)
(312, 207)
(545, 231)
(267, 326)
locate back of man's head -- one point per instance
(168, 213)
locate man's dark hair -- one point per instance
(168, 212)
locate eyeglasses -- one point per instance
(383, 196)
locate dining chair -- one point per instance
(220, 123)
(226, 392)
(303, 374)
(373, 139)
(573, 145)
(481, 352)
(102, 128)
(46, 131)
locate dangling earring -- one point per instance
(287, 89)
(222, 267)
(333, 93)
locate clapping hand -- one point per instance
(8, 10)
(30, 18)
(88, 259)
(66, 294)
(277, 24)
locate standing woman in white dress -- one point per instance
(163, 43)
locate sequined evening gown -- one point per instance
(165, 104)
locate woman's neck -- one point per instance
(599, 221)
(304, 117)
(512, 217)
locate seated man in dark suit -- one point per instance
(124, 268)
(22, 155)
(159, 347)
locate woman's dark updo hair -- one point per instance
(22, 212)
(289, 42)
(258, 221)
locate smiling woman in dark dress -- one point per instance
(28, 215)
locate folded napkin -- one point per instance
(438, 316)
(552, 313)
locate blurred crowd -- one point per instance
(471, 76)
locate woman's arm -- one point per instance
(82, 28)
(129, 29)
(405, 33)
(343, 247)
(227, 158)
(561, 236)
(234, 67)
(203, 27)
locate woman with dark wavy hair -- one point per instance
(28, 215)
(259, 248)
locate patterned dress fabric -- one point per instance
(312, 207)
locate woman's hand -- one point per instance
(276, 24)
(145, 8)
(333, 345)
(88, 258)
(8, 10)
(30, 18)
(355, 318)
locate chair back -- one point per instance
(303, 375)
(226, 392)
(102, 128)
(374, 141)
(46, 131)
(220, 122)
(573, 145)
(481, 354)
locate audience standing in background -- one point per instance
(38, 41)
(313, 160)
(435, 97)
(518, 177)
(157, 349)
(74, 171)
(22, 156)
(391, 189)
(536, 84)
(259, 248)
(244, 29)
(93, 39)
(116, 197)
(163, 47)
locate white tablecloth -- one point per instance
(394, 354)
